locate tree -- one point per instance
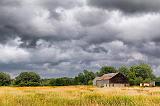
(143, 70)
(147, 80)
(52, 82)
(5, 79)
(84, 78)
(65, 81)
(106, 70)
(140, 73)
(124, 70)
(28, 79)
(80, 79)
(45, 82)
(88, 75)
(157, 79)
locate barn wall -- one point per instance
(99, 83)
(118, 85)
(119, 78)
(105, 83)
(94, 82)
(102, 83)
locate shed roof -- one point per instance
(107, 76)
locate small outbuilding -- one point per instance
(149, 84)
(111, 80)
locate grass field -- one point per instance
(79, 96)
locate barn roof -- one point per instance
(107, 76)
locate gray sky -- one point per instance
(58, 38)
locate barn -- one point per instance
(111, 80)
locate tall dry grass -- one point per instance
(79, 96)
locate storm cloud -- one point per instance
(62, 38)
(128, 6)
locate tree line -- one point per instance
(135, 74)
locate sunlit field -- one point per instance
(79, 96)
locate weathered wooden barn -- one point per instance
(111, 80)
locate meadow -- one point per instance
(79, 96)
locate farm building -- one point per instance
(111, 80)
(149, 84)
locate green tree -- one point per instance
(5, 79)
(88, 75)
(80, 79)
(65, 81)
(28, 79)
(124, 70)
(147, 80)
(45, 82)
(84, 78)
(106, 70)
(140, 73)
(157, 79)
(52, 82)
(143, 70)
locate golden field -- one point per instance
(79, 96)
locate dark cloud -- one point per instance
(61, 38)
(56, 3)
(10, 3)
(127, 6)
(98, 17)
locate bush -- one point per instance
(90, 82)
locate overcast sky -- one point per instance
(58, 38)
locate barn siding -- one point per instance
(102, 83)
(119, 78)
(119, 84)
